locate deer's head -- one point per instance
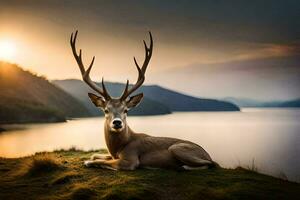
(115, 109)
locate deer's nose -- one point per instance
(117, 123)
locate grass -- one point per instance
(40, 164)
(61, 175)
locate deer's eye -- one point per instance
(106, 111)
(125, 111)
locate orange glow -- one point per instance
(7, 49)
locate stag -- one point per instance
(129, 150)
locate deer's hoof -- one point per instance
(88, 163)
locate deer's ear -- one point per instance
(134, 100)
(98, 101)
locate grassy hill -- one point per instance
(25, 97)
(61, 175)
(172, 100)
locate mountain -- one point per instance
(282, 104)
(26, 97)
(164, 97)
(180, 102)
(292, 103)
(244, 102)
(79, 90)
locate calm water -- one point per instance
(269, 137)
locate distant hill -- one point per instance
(25, 97)
(282, 104)
(163, 97)
(79, 90)
(181, 102)
(292, 103)
(244, 102)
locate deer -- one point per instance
(130, 150)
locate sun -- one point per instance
(7, 49)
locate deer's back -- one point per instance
(153, 151)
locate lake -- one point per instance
(269, 138)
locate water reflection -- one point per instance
(270, 137)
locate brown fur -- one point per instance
(130, 150)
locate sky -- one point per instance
(210, 48)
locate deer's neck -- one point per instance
(116, 141)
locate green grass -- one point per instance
(61, 175)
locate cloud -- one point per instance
(262, 79)
(215, 36)
(269, 51)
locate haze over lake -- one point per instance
(268, 137)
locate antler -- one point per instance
(86, 73)
(141, 71)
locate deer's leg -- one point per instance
(101, 156)
(99, 163)
(113, 164)
(192, 155)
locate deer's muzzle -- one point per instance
(117, 124)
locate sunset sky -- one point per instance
(207, 48)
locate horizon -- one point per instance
(225, 98)
(218, 54)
